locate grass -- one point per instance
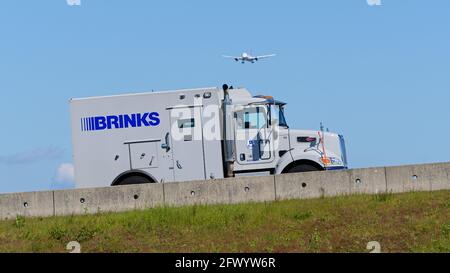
(408, 222)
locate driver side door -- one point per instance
(253, 136)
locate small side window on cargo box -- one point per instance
(186, 123)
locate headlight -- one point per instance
(332, 161)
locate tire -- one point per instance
(134, 179)
(302, 169)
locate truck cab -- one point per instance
(265, 144)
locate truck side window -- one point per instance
(277, 112)
(282, 118)
(252, 118)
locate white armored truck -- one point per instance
(192, 134)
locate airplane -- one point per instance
(245, 57)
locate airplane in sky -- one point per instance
(245, 57)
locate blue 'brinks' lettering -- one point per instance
(120, 121)
(154, 119)
(142, 119)
(100, 123)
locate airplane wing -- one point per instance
(265, 56)
(231, 57)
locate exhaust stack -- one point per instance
(227, 133)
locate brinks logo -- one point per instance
(98, 123)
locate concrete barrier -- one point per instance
(312, 184)
(443, 181)
(425, 177)
(26, 204)
(371, 180)
(110, 199)
(228, 191)
(418, 177)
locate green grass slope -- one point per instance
(408, 222)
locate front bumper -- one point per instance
(334, 168)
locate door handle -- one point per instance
(151, 161)
(179, 165)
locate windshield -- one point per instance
(278, 115)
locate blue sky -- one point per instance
(377, 74)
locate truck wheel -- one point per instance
(302, 168)
(134, 179)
